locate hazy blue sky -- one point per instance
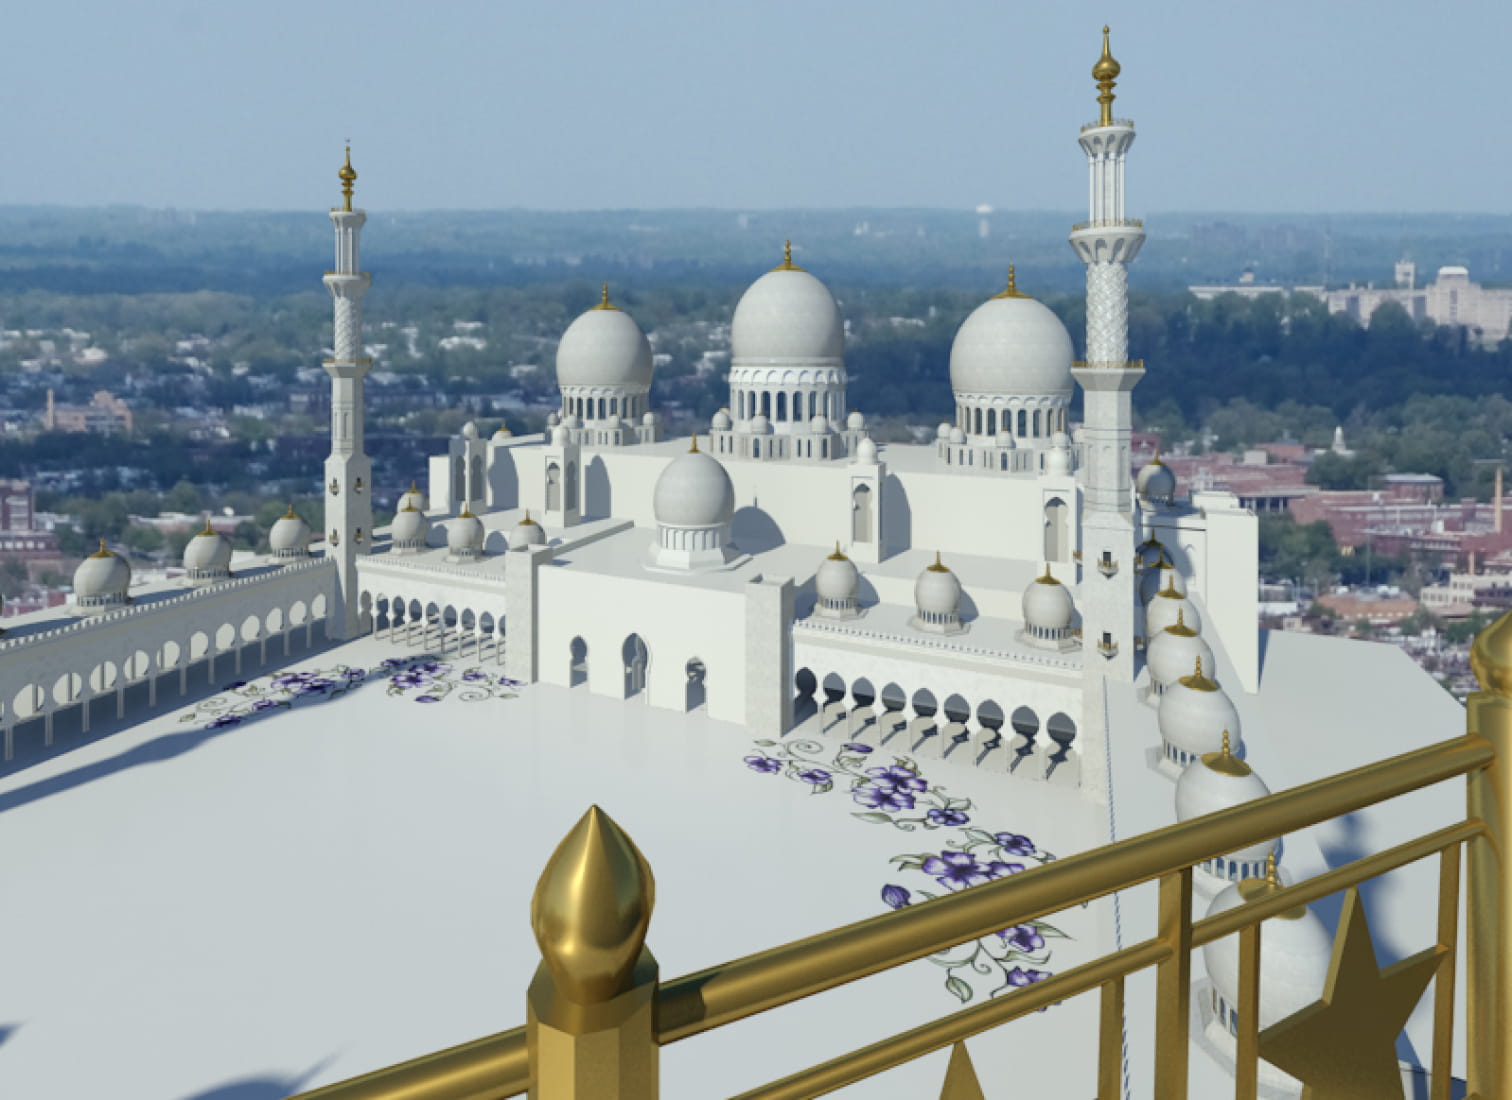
(1333, 105)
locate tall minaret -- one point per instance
(349, 472)
(1106, 243)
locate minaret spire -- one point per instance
(1107, 242)
(349, 472)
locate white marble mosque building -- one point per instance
(981, 598)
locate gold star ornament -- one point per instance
(1343, 1047)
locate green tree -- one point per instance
(183, 497)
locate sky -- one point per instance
(1284, 106)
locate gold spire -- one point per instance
(101, 552)
(938, 566)
(837, 556)
(348, 176)
(208, 529)
(693, 447)
(1170, 591)
(1047, 578)
(604, 302)
(1253, 889)
(527, 521)
(1180, 627)
(466, 512)
(1224, 762)
(290, 514)
(1155, 461)
(1197, 681)
(1105, 72)
(1012, 290)
(787, 263)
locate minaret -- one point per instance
(349, 472)
(1106, 243)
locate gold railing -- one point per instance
(598, 1016)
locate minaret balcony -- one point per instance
(1106, 240)
(1117, 123)
(1108, 223)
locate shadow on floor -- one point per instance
(261, 1088)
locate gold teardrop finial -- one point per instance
(837, 556)
(604, 302)
(1012, 290)
(1491, 656)
(1224, 762)
(527, 521)
(348, 176)
(290, 514)
(414, 486)
(1272, 872)
(693, 446)
(939, 566)
(591, 909)
(1181, 621)
(1155, 459)
(101, 552)
(1105, 72)
(787, 263)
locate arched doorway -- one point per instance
(1057, 530)
(695, 694)
(1026, 725)
(861, 514)
(636, 657)
(577, 664)
(553, 487)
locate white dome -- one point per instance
(1295, 950)
(529, 532)
(613, 420)
(818, 423)
(502, 433)
(1155, 482)
(721, 421)
(1193, 715)
(469, 430)
(693, 491)
(866, 452)
(1058, 461)
(1005, 439)
(553, 419)
(1162, 575)
(290, 535)
(1012, 345)
(855, 421)
(1047, 604)
(957, 435)
(787, 316)
(943, 431)
(1166, 609)
(760, 425)
(604, 347)
(1174, 652)
(1218, 781)
(464, 536)
(648, 419)
(937, 591)
(412, 496)
(102, 577)
(411, 528)
(559, 436)
(207, 552)
(837, 578)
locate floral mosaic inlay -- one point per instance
(422, 679)
(897, 794)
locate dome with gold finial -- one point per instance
(101, 580)
(412, 496)
(837, 584)
(410, 532)
(937, 599)
(1170, 654)
(604, 347)
(1193, 716)
(693, 501)
(1219, 781)
(1014, 346)
(1158, 576)
(1168, 606)
(1047, 608)
(464, 537)
(289, 537)
(1155, 483)
(207, 556)
(787, 318)
(528, 532)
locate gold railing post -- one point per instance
(1488, 959)
(590, 1024)
(1173, 986)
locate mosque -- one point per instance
(980, 598)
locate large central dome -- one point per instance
(1014, 346)
(604, 347)
(787, 317)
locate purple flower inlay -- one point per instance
(764, 764)
(948, 817)
(815, 776)
(223, 721)
(896, 778)
(474, 674)
(1020, 976)
(896, 897)
(856, 746)
(265, 704)
(1013, 844)
(427, 699)
(955, 870)
(355, 673)
(1024, 938)
(998, 869)
(884, 798)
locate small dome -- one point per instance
(1149, 551)
(604, 347)
(613, 420)
(1295, 952)
(1194, 712)
(1172, 653)
(1058, 461)
(837, 578)
(208, 553)
(412, 496)
(559, 436)
(1012, 345)
(866, 452)
(410, 529)
(943, 431)
(957, 435)
(648, 419)
(721, 421)
(1217, 781)
(1047, 604)
(553, 419)
(1163, 575)
(502, 433)
(1155, 483)
(787, 316)
(529, 532)
(1167, 609)
(290, 535)
(464, 536)
(760, 425)
(102, 579)
(855, 421)
(937, 591)
(469, 430)
(818, 423)
(694, 490)
(1005, 439)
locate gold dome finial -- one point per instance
(1253, 889)
(604, 301)
(1224, 762)
(1491, 656)
(101, 552)
(1272, 872)
(527, 521)
(787, 263)
(1012, 290)
(837, 556)
(591, 909)
(1105, 72)
(1155, 459)
(348, 176)
(693, 446)
(939, 566)
(290, 514)
(414, 486)
(208, 529)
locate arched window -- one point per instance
(1057, 530)
(861, 514)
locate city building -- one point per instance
(104, 414)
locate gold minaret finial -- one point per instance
(1197, 672)
(101, 552)
(591, 909)
(414, 486)
(1105, 72)
(208, 530)
(1272, 872)
(290, 514)
(787, 263)
(1012, 290)
(938, 566)
(1224, 762)
(604, 302)
(693, 446)
(348, 176)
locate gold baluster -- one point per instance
(1443, 981)
(590, 1026)
(1488, 920)
(1110, 1038)
(1173, 986)
(1247, 1058)
(960, 1077)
